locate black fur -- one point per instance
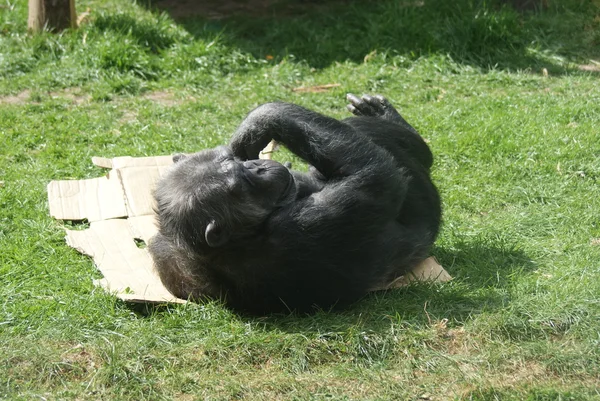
(264, 239)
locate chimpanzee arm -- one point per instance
(331, 146)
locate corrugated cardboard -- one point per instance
(118, 207)
(427, 270)
(94, 199)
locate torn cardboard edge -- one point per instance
(119, 208)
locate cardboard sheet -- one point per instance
(94, 199)
(427, 270)
(119, 208)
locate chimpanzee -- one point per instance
(264, 239)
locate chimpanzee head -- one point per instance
(210, 198)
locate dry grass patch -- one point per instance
(595, 67)
(74, 95)
(164, 98)
(55, 361)
(20, 98)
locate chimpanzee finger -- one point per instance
(360, 107)
(378, 104)
(383, 100)
(354, 101)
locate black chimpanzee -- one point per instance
(264, 239)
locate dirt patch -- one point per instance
(163, 98)
(129, 116)
(20, 98)
(590, 67)
(78, 361)
(72, 94)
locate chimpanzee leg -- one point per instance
(405, 136)
(331, 146)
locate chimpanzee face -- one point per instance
(217, 175)
(209, 195)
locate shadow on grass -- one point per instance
(483, 271)
(483, 275)
(476, 33)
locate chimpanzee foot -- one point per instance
(372, 106)
(376, 106)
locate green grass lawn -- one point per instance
(510, 105)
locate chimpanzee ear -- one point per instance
(215, 236)
(178, 157)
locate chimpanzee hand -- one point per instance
(248, 147)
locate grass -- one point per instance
(510, 104)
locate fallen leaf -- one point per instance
(370, 56)
(83, 17)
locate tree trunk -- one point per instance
(53, 15)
